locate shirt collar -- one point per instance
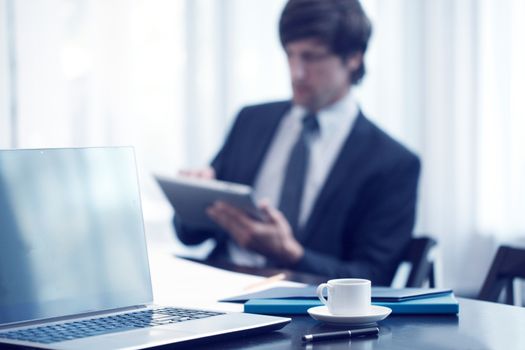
(331, 117)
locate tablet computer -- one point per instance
(190, 197)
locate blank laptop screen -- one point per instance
(71, 233)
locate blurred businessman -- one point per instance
(339, 193)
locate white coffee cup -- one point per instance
(347, 296)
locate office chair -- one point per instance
(508, 264)
(422, 266)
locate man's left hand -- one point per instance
(273, 238)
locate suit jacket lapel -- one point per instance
(266, 132)
(347, 163)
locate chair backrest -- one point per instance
(508, 264)
(422, 267)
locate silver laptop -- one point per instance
(74, 270)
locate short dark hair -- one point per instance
(340, 24)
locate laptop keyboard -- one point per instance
(104, 325)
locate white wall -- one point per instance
(5, 125)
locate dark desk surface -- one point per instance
(479, 325)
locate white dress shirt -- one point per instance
(335, 124)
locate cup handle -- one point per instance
(320, 289)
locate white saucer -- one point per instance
(376, 313)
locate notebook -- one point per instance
(74, 271)
(380, 294)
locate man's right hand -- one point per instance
(207, 173)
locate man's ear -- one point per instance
(354, 61)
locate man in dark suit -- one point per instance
(338, 192)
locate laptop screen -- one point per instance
(71, 233)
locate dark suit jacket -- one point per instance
(363, 217)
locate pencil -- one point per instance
(278, 277)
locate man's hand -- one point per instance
(207, 173)
(273, 238)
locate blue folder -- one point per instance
(440, 304)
